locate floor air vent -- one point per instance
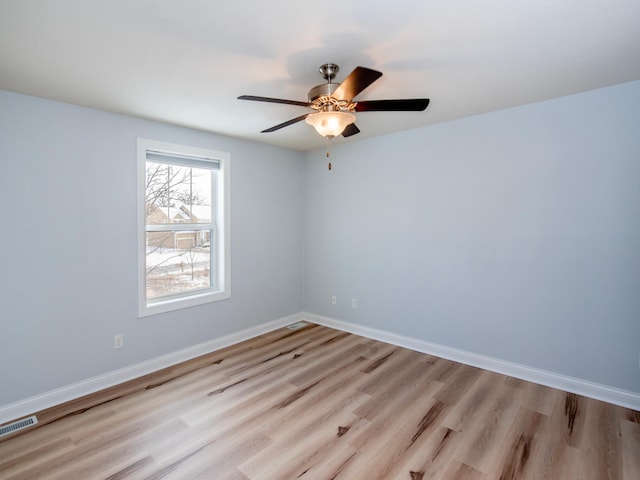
(18, 425)
(296, 326)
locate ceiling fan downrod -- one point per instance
(328, 72)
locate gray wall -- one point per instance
(69, 249)
(514, 234)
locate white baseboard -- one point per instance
(555, 380)
(67, 393)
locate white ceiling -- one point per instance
(186, 62)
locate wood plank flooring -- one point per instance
(321, 404)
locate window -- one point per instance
(183, 209)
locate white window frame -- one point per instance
(221, 239)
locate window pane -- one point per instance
(183, 219)
(177, 194)
(178, 262)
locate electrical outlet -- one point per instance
(354, 303)
(334, 300)
(118, 341)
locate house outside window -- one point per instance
(183, 226)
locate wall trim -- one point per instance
(29, 406)
(597, 391)
(71, 392)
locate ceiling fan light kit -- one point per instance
(334, 105)
(330, 124)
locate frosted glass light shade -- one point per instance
(330, 124)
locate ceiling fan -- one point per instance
(334, 105)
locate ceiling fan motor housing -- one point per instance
(324, 90)
(328, 72)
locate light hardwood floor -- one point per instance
(317, 403)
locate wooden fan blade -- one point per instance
(406, 105)
(273, 100)
(350, 129)
(285, 124)
(356, 82)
